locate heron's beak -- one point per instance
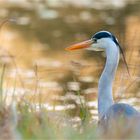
(81, 45)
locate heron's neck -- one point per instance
(105, 98)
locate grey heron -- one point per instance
(108, 110)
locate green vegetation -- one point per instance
(21, 121)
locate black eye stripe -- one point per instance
(102, 34)
(105, 34)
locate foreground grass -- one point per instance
(21, 121)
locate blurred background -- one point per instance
(35, 67)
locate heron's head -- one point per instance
(99, 42)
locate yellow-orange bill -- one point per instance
(81, 45)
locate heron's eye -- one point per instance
(94, 40)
